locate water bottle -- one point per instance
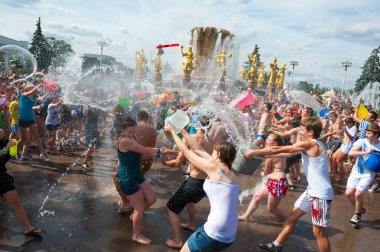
(178, 121)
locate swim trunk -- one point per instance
(292, 161)
(262, 136)
(191, 191)
(6, 183)
(200, 241)
(146, 165)
(131, 185)
(277, 187)
(334, 144)
(14, 128)
(319, 208)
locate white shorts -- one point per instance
(345, 148)
(361, 184)
(319, 208)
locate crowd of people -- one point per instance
(288, 134)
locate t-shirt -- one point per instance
(14, 111)
(346, 139)
(359, 170)
(26, 108)
(363, 126)
(53, 115)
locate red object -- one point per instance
(49, 84)
(167, 45)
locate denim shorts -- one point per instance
(200, 241)
(14, 128)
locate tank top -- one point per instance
(222, 222)
(317, 175)
(129, 165)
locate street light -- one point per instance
(293, 63)
(289, 73)
(102, 43)
(346, 65)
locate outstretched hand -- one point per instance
(249, 154)
(169, 129)
(9, 145)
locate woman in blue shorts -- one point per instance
(131, 179)
(26, 120)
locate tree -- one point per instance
(305, 86)
(40, 48)
(370, 71)
(247, 65)
(59, 51)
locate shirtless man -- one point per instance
(146, 136)
(265, 121)
(334, 137)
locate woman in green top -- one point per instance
(131, 178)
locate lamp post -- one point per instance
(346, 65)
(293, 63)
(289, 73)
(102, 43)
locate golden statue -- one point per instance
(273, 73)
(281, 77)
(143, 62)
(157, 64)
(262, 74)
(221, 59)
(137, 65)
(252, 60)
(242, 74)
(188, 64)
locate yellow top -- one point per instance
(14, 110)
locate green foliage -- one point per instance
(247, 65)
(59, 51)
(39, 47)
(305, 86)
(370, 71)
(49, 51)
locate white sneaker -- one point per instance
(374, 188)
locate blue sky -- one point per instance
(319, 34)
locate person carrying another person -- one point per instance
(333, 139)
(265, 122)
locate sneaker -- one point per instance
(44, 157)
(374, 188)
(356, 218)
(27, 158)
(270, 247)
(124, 210)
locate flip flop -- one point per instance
(34, 232)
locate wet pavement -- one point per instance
(78, 211)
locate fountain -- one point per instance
(370, 95)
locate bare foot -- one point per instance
(141, 239)
(243, 218)
(174, 244)
(187, 226)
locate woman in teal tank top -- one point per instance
(131, 178)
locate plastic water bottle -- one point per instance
(178, 120)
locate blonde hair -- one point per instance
(28, 87)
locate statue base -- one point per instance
(185, 80)
(250, 84)
(158, 78)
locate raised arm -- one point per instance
(195, 146)
(31, 92)
(356, 117)
(295, 149)
(202, 163)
